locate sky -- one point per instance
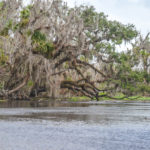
(136, 12)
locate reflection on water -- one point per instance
(116, 125)
(20, 104)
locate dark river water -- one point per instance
(115, 125)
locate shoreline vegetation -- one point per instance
(83, 99)
(50, 50)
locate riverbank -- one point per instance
(65, 103)
(81, 99)
(118, 97)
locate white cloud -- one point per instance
(133, 1)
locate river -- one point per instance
(106, 125)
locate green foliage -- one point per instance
(3, 101)
(5, 31)
(1, 85)
(25, 13)
(134, 82)
(66, 65)
(3, 57)
(23, 23)
(105, 35)
(143, 98)
(29, 33)
(69, 78)
(119, 32)
(24, 18)
(30, 83)
(88, 14)
(102, 94)
(1, 5)
(42, 45)
(83, 58)
(144, 53)
(38, 37)
(126, 78)
(143, 88)
(110, 33)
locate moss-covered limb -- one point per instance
(75, 88)
(91, 66)
(20, 86)
(86, 88)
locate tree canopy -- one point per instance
(48, 47)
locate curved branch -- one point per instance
(91, 66)
(20, 86)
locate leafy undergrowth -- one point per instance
(135, 97)
(84, 98)
(118, 96)
(142, 98)
(121, 97)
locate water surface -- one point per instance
(115, 125)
